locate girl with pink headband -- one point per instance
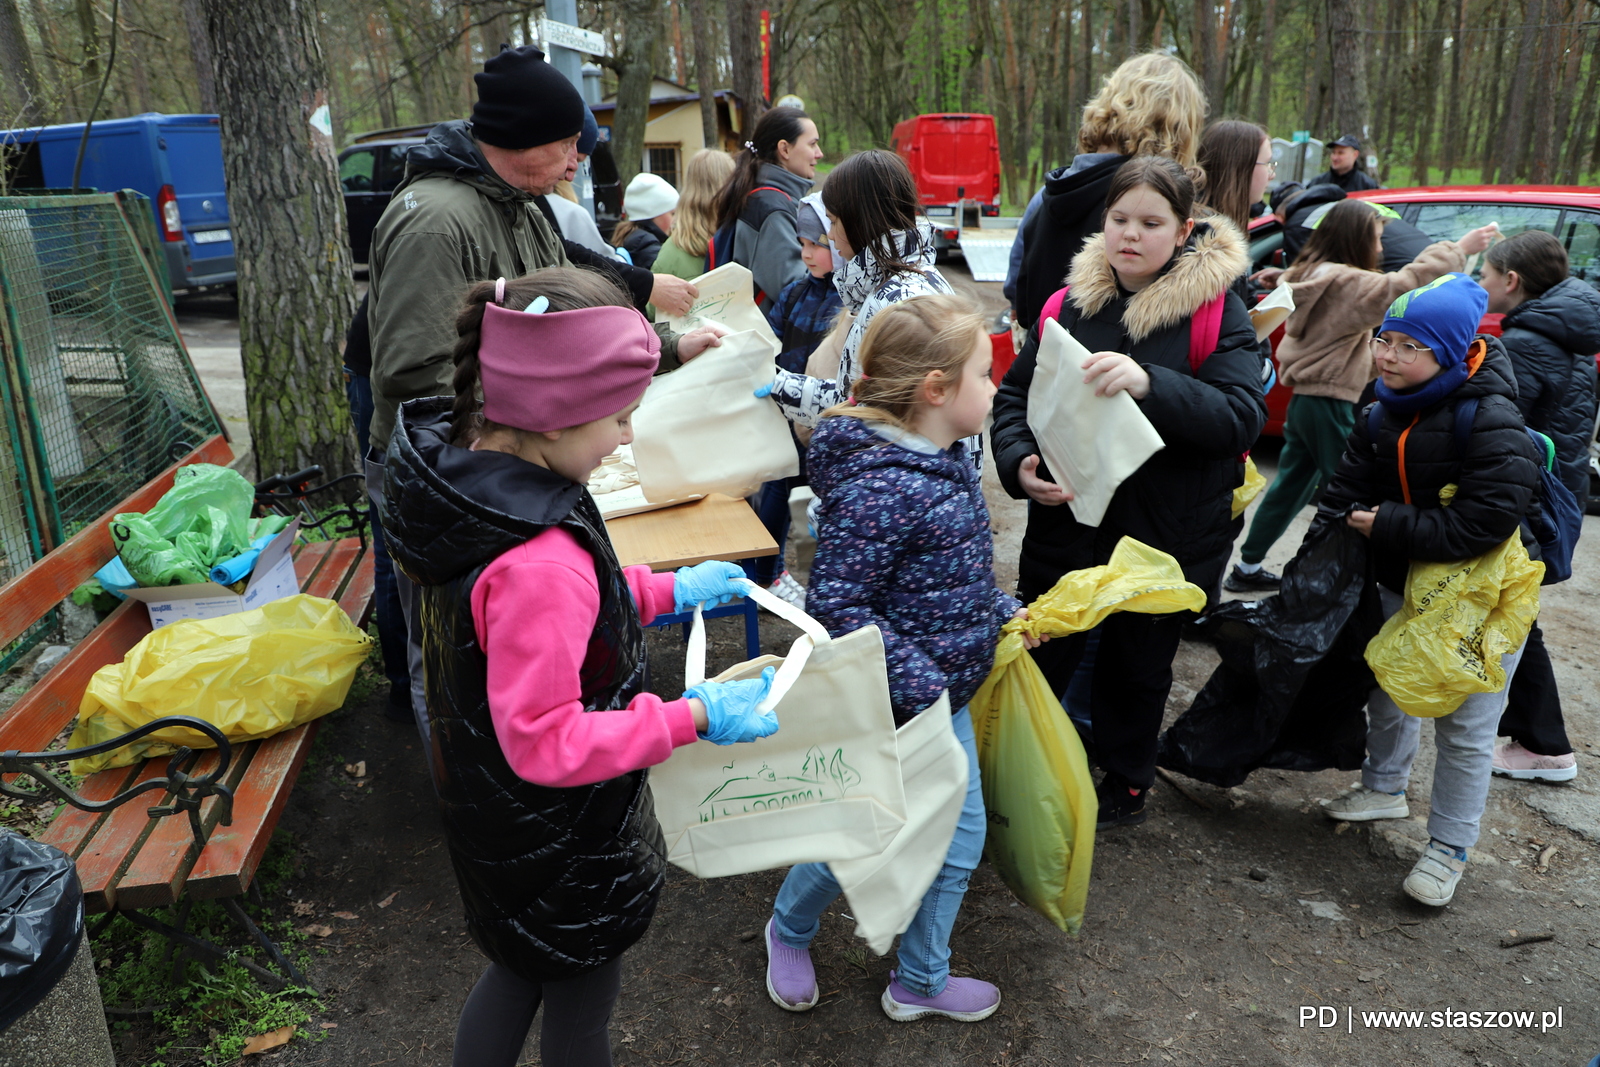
(534, 655)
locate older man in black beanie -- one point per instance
(466, 212)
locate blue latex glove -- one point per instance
(731, 715)
(764, 391)
(710, 583)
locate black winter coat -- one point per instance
(644, 243)
(1073, 210)
(554, 882)
(1181, 500)
(1552, 340)
(1496, 480)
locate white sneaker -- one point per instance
(1364, 805)
(1511, 760)
(789, 591)
(1434, 879)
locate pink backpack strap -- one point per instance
(1205, 329)
(1052, 307)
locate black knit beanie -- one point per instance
(524, 101)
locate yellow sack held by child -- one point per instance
(1254, 482)
(1458, 619)
(1036, 785)
(253, 674)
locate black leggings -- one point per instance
(1533, 707)
(577, 1017)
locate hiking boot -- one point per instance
(1434, 879)
(1257, 581)
(1120, 803)
(791, 980)
(1364, 805)
(966, 1000)
(1511, 760)
(789, 591)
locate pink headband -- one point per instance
(563, 368)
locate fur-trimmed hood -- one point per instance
(1215, 255)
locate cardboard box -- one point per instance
(272, 579)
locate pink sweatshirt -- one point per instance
(534, 609)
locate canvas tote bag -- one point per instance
(701, 429)
(885, 890)
(827, 786)
(727, 298)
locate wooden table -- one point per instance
(715, 527)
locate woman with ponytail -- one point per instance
(756, 208)
(540, 724)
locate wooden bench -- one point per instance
(220, 805)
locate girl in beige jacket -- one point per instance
(1339, 298)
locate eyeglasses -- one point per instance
(1271, 165)
(1405, 351)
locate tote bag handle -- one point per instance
(812, 634)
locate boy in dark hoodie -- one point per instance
(1391, 478)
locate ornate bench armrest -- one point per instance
(185, 791)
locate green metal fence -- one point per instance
(98, 393)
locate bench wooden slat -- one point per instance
(69, 830)
(309, 560)
(357, 598)
(155, 877)
(230, 859)
(117, 841)
(332, 577)
(46, 709)
(25, 599)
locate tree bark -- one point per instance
(641, 21)
(705, 71)
(1348, 58)
(1514, 122)
(205, 71)
(89, 31)
(295, 293)
(16, 61)
(1556, 98)
(1268, 34)
(744, 47)
(1452, 99)
(1583, 126)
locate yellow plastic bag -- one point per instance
(1254, 482)
(253, 674)
(1036, 785)
(1458, 619)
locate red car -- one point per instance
(1570, 212)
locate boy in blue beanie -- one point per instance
(1390, 479)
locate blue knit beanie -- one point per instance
(1443, 315)
(590, 135)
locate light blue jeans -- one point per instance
(1464, 747)
(925, 946)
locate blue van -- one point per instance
(175, 160)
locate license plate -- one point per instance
(941, 212)
(212, 237)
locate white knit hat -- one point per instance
(649, 195)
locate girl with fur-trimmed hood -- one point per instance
(1131, 295)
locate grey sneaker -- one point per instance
(787, 589)
(1434, 879)
(1364, 805)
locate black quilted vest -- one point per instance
(554, 881)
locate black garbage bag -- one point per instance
(1292, 688)
(41, 920)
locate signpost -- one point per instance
(566, 36)
(564, 43)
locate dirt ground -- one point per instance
(1211, 930)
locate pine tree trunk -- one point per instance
(1348, 53)
(1582, 136)
(744, 47)
(1268, 34)
(16, 63)
(295, 293)
(705, 71)
(1452, 101)
(205, 71)
(1515, 122)
(640, 24)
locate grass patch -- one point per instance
(203, 1012)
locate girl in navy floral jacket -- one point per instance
(903, 543)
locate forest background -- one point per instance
(1448, 91)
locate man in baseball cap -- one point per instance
(1344, 157)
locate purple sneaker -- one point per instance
(791, 981)
(966, 1000)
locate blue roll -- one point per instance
(239, 567)
(114, 578)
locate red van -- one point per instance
(955, 160)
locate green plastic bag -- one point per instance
(202, 520)
(1036, 785)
